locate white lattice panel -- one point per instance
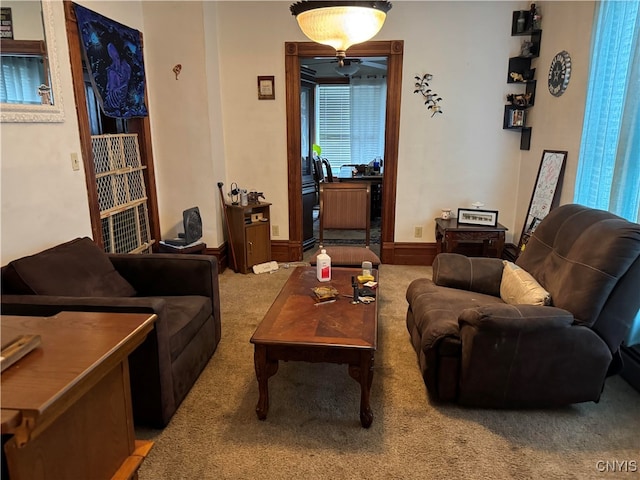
(121, 191)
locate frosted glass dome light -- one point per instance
(340, 24)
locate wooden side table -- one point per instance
(452, 237)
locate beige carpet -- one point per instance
(313, 430)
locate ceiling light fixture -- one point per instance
(340, 24)
(347, 69)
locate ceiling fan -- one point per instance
(350, 65)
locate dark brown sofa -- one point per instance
(475, 349)
(182, 290)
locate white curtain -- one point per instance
(20, 78)
(608, 175)
(368, 110)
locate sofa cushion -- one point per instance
(186, 314)
(519, 287)
(77, 268)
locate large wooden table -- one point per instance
(67, 404)
(295, 329)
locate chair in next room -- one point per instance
(346, 206)
(328, 177)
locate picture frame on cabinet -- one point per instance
(474, 216)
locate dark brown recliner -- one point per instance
(477, 350)
(182, 290)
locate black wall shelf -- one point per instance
(520, 73)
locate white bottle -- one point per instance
(323, 266)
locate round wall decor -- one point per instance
(559, 73)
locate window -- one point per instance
(608, 175)
(23, 71)
(334, 123)
(351, 120)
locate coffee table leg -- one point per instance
(363, 374)
(264, 370)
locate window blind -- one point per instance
(351, 121)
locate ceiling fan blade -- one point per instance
(369, 63)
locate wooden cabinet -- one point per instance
(520, 72)
(307, 129)
(470, 240)
(251, 234)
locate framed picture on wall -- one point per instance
(265, 88)
(546, 193)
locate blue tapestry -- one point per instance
(113, 56)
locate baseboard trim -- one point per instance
(394, 253)
(408, 253)
(221, 254)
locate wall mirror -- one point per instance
(546, 193)
(33, 38)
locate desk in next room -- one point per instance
(470, 240)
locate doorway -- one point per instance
(294, 51)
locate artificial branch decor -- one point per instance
(431, 98)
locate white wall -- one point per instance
(557, 121)
(252, 36)
(446, 161)
(186, 149)
(209, 126)
(26, 17)
(44, 201)
(463, 155)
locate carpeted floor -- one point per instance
(313, 430)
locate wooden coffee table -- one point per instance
(296, 329)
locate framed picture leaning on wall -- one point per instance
(546, 192)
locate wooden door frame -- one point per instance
(294, 51)
(140, 126)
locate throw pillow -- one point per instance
(78, 268)
(519, 287)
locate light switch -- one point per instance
(75, 162)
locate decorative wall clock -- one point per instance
(559, 73)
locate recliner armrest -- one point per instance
(528, 356)
(515, 318)
(477, 274)
(168, 274)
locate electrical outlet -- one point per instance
(75, 162)
(417, 232)
(275, 230)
